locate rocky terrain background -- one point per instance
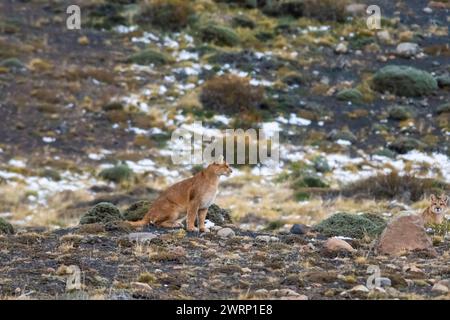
(363, 118)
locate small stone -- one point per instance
(261, 292)
(246, 270)
(142, 236)
(427, 10)
(383, 281)
(299, 229)
(335, 244)
(359, 288)
(83, 40)
(384, 36)
(407, 49)
(226, 233)
(140, 286)
(263, 239)
(439, 288)
(216, 228)
(341, 48)
(274, 239)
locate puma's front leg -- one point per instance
(191, 216)
(201, 219)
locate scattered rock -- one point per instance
(226, 233)
(407, 49)
(139, 286)
(384, 36)
(341, 48)
(299, 229)
(427, 10)
(359, 288)
(356, 9)
(84, 41)
(440, 288)
(384, 282)
(267, 239)
(6, 227)
(103, 212)
(142, 236)
(405, 233)
(337, 245)
(404, 81)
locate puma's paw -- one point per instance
(193, 229)
(204, 230)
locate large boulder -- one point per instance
(103, 212)
(403, 234)
(6, 227)
(404, 81)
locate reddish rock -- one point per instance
(336, 245)
(405, 233)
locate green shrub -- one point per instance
(218, 35)
(117, 174)
(137, 210)
(230, 94)
(404, 81)
(400, 113)
(405, 144)
(351, 225)
(6, 227)
(218, 215)
(149, 56)
(352, 95)
(103, 212)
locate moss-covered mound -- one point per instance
(103, 212)
(219, 35)
(352, 95)
(117, 174)
(351, 225)
(149, 56)
(404, 81)
(137, 210)
(6, 227)
(218, 215)
(400, 113)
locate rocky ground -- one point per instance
(226, 263)
(87, 115)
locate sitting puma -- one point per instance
(434, 214)
(192, 196)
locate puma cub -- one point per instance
(192, 196)
(434, 214)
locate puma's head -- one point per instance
(438, 204)
(220, 168)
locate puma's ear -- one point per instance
(432, 198)
(444, 197)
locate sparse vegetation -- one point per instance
(171, 15)
(230, 94)
(395, 186)
(117, 174)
